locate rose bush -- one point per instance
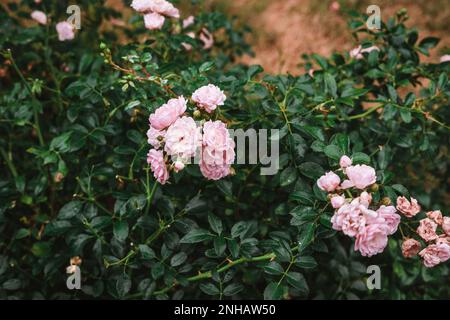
(95, 141)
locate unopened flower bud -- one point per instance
(375, 187)
(386, 201)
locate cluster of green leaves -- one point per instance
(76, 182)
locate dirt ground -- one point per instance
(285, 29)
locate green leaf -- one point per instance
(288, 176)
(70, 210)
(306, 236)
(330, 83)
(41, 249)
(123, 285)
(311, 170)
(210, 289)
(196, 235)
(121, 230)
(302, 197)
(273, 268)
(146, 252)
(178, 259)
(12, 284)
(405, 115)
(306, 262)
(157, 270)
(360, 158)
(273, 291)
(239, 229)
(333, 152)
(233, 289)
(297, 280)
(22, 233)
(215, 223)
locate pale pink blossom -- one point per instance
(353, 221)
(188, 21)
(142, 5)
(346, 184)
(357, 52)
(209, 97)
(337, 201)
(162, 7)
(361, 176)
(168, 113)
(427, 229)
(39, 16)
(446, 225)
(155, 137)
(335, 6)
(443, 239)
(311, 72)
(345, 162)
(178, 166)
(445, 58)
(153, 21)
(372, 240)
(435, 254)
(410, 248)
(155, 158)
(329, 181)
(207, 38)
(217, 150)
(409, 209)
(391, 218)
(65, 31)
(183, 138)
(436, 216)
(365, 198)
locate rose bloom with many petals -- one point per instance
(168, 113)
(360, 176)
(435, 254)
(209, 97)
(446, 225)
(353, 221)
(436, 216)
(410, 248)
(155, 158)
(217, 150)
(159, 6)
(183, 138)
(153, 21)
(39, 16)
(392, 220)
(372, 240)
(409, 209)
(329, 181)
(427, 230)
(65, 31)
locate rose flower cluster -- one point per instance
(176, 138)
(155, 12)
(371, 226)
(354, 216)
(438, 245)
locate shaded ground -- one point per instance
(285, 29)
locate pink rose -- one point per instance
(183, 138)
(361, 176)
(188, 22)
(345, 162)
(358, 51)
(445, 58)
(153, 21)
(409, 209)
(217, 151)
(209, 97)
(443, 239)
(446, 225)
(436, 216)
(427, 230)
(178, 166)
(142, 5)
(156, 161)
(207, 38)
(337, 201)
(435, 254)
(39, 16)
(372, 240)
(353, 221)
(392, 220)
(155, 137)
(410, 248)
(329, 181)
(65, 31)
(164, 7)
(168, 113)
